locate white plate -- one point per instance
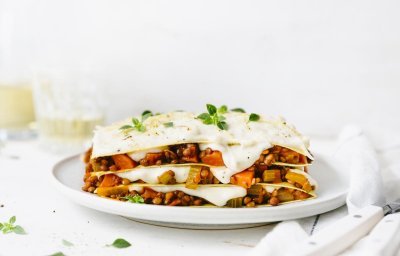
(67, 176)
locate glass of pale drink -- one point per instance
(68, 107)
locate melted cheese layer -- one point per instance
(137, 155)
(149, 174)
(240, 145)
(217, 195)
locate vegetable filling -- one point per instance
(269, 168)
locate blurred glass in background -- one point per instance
(16, 104)
(62, 105)
(68, 106)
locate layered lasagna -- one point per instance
(216, 159)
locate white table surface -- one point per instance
(48, 218)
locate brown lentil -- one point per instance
(126, 182)
(198, 202)
(157, 200)
(251, 204)
(274, 201)
(246, 200)
(175, 202)
(204, 173)
(168, 196)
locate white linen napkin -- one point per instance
(357, 155)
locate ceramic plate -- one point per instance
(67, 176)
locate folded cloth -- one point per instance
(279, 239)
(357, 155)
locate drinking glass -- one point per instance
(16, 104)
(16, 110)
(68, 107)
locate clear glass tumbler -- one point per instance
(68, 107)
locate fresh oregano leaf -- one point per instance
(223, 109)
(240, 110)
(144, 117)
(254, 117)
(57, 254)
(146, 112)
(214, 116)
(136, 199)
(135, 121)
(120, 243)
(9, 227)
(124, 127)
(19, 230)
(211, 109)
(67, 243)
(222, 125)
(203, 116)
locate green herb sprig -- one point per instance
(215, 116)
(136, 123)
(120, 243)
(136, 199)
(9, 227)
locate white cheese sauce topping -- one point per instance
(218, 195)
(240, 145)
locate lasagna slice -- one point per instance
(178, 159)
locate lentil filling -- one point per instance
(265, 170)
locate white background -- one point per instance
(320, 64)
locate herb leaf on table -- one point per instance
(120, 243)
(57, 254)
(9, 227)
(67, 243)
